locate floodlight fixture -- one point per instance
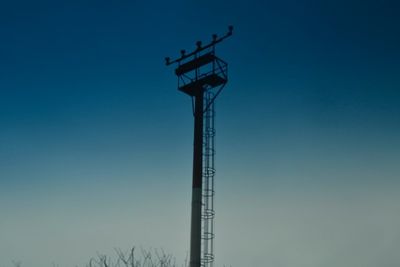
(230, 29)
(198, 44)
(201, 47)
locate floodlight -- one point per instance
(230, 28)
(198, 43)
(214, 36)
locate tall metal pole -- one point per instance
(195, 233)
(213, 76)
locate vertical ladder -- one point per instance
(208, 212)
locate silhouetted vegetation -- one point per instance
(145, 258)
(130, 258)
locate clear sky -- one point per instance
(96, 141)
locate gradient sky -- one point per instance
(96, 142)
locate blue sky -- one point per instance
(96, 142)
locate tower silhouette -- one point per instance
(202, 76)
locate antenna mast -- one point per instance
(202, 75)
